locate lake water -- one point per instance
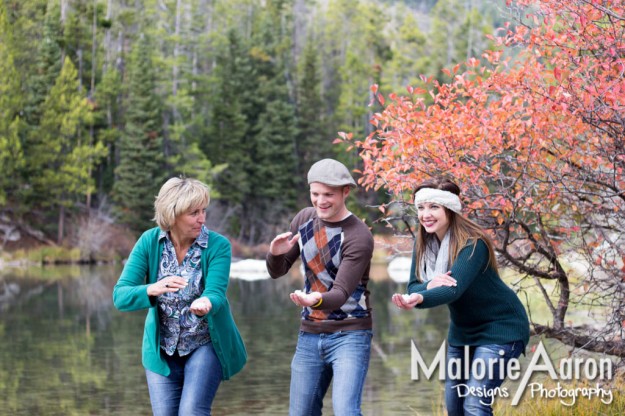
(66, 350)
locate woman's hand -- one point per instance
(442, 280)
(305, 299)
(407, 301)
(167, 284)
(201, 306)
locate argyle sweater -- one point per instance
(483, 309)
(337, 259)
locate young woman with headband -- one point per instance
(454, 264)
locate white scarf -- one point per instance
(435, 260)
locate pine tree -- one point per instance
(233, 105)
(139, 173)
(79, 37)
(107, 115)
(312, 142)
(471, 35)
(446, 22)
(48, 65)
(11, 155)
(410, 55)
(27, 21)
(365, 57)
(60, 154)
(270, 114)
(183, 155)
(275, 174)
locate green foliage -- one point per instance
(273, 168)
(458, 33)
(45, 69)
(139, 172)
(274, 164)
(54, 255)
(11, 154)
(183, 155)
(233, 106)
(48, 65)
(27, 25)
(410, 54)
(59, 154)
(253, 127)
(357, 52)
(107, 116)
(234, 93)
(313, 140)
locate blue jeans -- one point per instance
(473, 394)
(191, 385)
(319, 358)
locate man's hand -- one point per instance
(305, 299)
(283, 243)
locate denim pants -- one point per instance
(474, 395)
(191, 385)
(341, 358)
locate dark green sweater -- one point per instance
(483, 309)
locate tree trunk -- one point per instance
(174, 83)
(107, 38)
(470, 31)
(59, 238)
(80, 67)
(92, 90)
(299, 29)
(63, 4)
(93, 47)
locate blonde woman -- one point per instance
(454, 264)
(179, 272)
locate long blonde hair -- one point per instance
(462, 230)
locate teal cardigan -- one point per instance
(141, 270)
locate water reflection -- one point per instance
(66, 350)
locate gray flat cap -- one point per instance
(330, 172)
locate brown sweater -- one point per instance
(337, 259)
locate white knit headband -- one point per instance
(438, 196)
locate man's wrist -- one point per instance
(316, 305)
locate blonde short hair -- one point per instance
(177, 196)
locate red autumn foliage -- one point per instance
(535, 138)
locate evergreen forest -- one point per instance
(101, 101)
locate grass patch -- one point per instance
(58, 255)
(54, 255)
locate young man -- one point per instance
(335, 333)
